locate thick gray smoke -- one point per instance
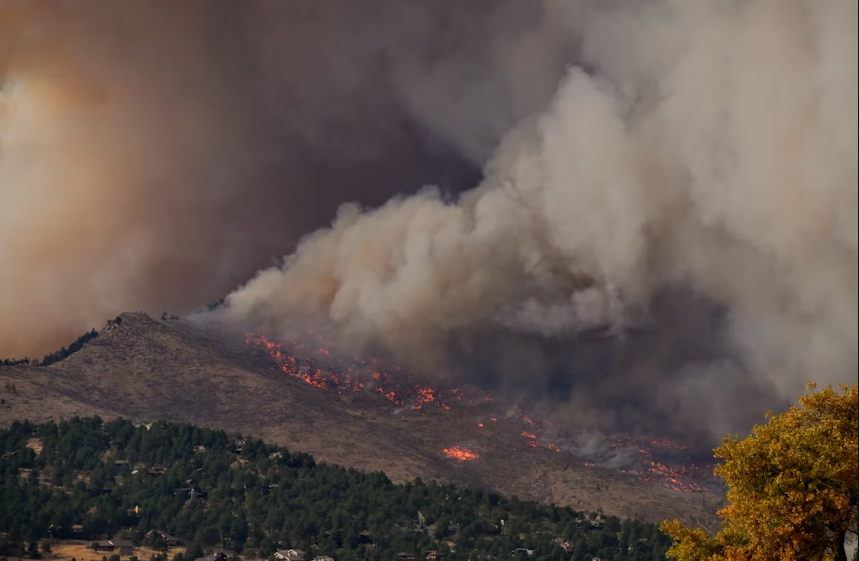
(154, 155)
(699, 151)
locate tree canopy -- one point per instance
(792, 486)
(214, 490)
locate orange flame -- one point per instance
(353, 374)
(461, 454)
(393, 383)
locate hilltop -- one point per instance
(147, 369)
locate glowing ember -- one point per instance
(306, 358)
(354, 375)
(480, 425)
(461, 454)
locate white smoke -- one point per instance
(704, 144)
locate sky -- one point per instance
(644, 211)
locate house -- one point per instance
(192, 492)
(156, 471)
(435, 556)
(102, 546)
(289, 555)
(77, 529)
(123, 547)
(217, 556)
(172, 541)
(323, 558)
(402, 556)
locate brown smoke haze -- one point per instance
(700, 151)
(665, 228)
(154, 155)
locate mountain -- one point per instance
(147, 369)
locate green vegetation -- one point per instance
(77, 345)
(215, 490)
(59, 355)
(211, 307)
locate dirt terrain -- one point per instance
(147, 369)
(77, 549)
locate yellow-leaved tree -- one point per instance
(792, 487)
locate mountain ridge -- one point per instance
(178, 370)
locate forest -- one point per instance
(86, 478)
(59, 355)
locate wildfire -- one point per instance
(461, 454)
(301, 357)
(354, 375)
(676, 477)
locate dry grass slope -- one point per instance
(146, 369)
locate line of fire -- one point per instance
(300, 358)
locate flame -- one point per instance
(460, 453)
(391, 381)
(480, 425)
(676, 477)
(354, 374)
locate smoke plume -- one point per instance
(691, 189)
(154, 155)
(660, 224)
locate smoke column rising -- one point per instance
(694, 148)
(680, 173)
(154, 155)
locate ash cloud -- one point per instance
(691, 188)
(154, 155)
(665, 232)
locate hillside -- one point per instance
(146, 369)
(214, 490)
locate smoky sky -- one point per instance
(690, 191)
(634, 212)
(156, 154)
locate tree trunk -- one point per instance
(840, 550)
